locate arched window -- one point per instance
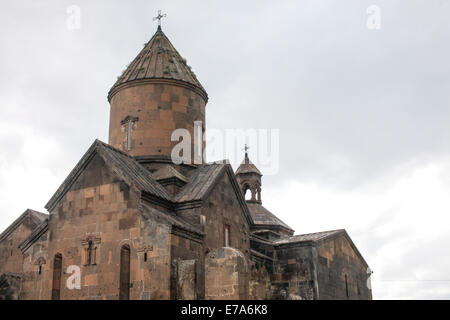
(90, 253)
(248, 194)
(57, 272)
(227, 235)
(124, 291)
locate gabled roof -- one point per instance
(158, 60)
(168, 172)
(202, 181)
(319, 237)
(30, 217)
(309, 237)
(34, 235)
(262, 216)
(122, 164)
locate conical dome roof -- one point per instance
(247, 167)
(158, 60)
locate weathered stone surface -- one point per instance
(11, 258)
(341, 271)
(227, 275)
(260, 284)
(157, 119)
(186, 284)
(10, 286)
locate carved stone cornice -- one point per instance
(172, 82)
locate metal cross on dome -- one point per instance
(159, 17)
(246, 149)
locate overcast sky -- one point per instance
(363, 114)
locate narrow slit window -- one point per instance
(227, 235)
(346, 286)
(129, 136)
(90, 253)
(128, 126)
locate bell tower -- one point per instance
(156, 94)
(249, 179)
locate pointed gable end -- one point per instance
(202, 182)
(122, 165)
(319, 238)
(30, 218)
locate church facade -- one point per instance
(129, 223)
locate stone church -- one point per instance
(129, 223)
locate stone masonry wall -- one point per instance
(154, 256)
(226, 275)
(160, 109)
(101, 208)
(10, 255)
(34, 258)
(188, 268)
(294, 273)
(342, 274)
(222, 208)
(260, 284)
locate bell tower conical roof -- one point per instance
(247, 167)
(158, 60)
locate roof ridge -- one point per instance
(42, 214)
(278, 222)
(308, 237)
(327, 231)
(34, 235)
(192, 191)
(126, 166)
(143, 174)
(106, 145)
(217, 162)
(168, 171)
(33, 213)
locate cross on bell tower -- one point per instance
(246, 147)
(159, 17)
